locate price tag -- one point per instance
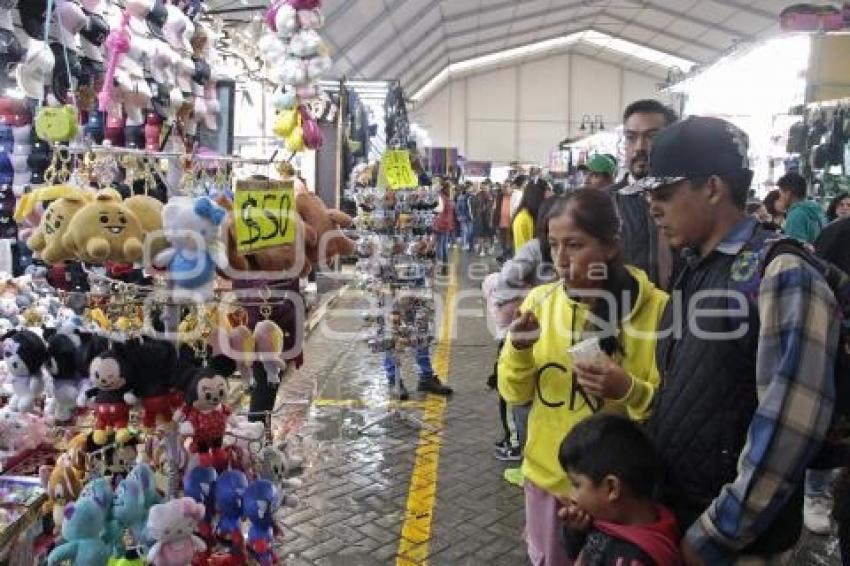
(264, 218)
(396, 167)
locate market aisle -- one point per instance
(361, 492)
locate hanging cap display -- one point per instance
(96, 29)
(174, 29)
(34, 71)
(33, 17)
(65, 62)
(11, 50)
(71, 17)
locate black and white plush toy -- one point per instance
(25, 355)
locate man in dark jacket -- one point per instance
(642, 121)
(746, 356)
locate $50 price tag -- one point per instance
(264, 218)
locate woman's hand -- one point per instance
(608, 381)
(525, 330)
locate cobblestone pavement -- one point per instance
(355, 499)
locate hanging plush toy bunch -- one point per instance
(297, 58)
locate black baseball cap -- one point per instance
(695, 148)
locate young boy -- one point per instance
(610, 516)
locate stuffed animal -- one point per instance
(105, 230)
(110, 396)
(120, 459)
(229, 489)
(172, 525)
(331, 242)
(19, 432)
(99, 490)
(25, 354)
(199, 484)
(243, 439)
(62, 485)
(260, 503)
(268, 340)
(237, 343)
(154, 364)
(82, 527)
(10, 311)
(274, 466)
(63, 367)
(48, 239)
(128, 517)
(191, 226)
(144, 474)
(148, 211)
(204, 416)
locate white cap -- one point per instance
(35, 70)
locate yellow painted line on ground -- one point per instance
(422, 494)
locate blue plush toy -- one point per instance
(260, 505)
(229, 489)
(199, 484)
(128, 514)
(143, 474)
(82, 527)
(99, 490)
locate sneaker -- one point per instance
(511, 454)
(514, 476)
(503, 444)
(816, 511)
(434, 385)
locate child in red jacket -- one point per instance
(610, 517)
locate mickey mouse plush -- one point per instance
(111, 396)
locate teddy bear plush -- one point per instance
(172, 525)
(81, 528)
(62, 485)
(331, 242)
(105, 229)
(47, 240)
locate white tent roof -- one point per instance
(415, 40)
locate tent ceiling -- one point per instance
(413, 40)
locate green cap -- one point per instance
(602, 164)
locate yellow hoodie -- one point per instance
(542, 374)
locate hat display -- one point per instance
(66, 61)
(11, 50)
(175, 27)
(33, 15)
(35, 70)
(96, 29)
(694, 148)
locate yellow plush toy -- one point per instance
(48, 239)
(148, 210)
(105, 230)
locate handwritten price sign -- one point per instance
(264, 218)
(399, 173)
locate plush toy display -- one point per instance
(105, 229)
(63, 366)
(62, 485)
(82, 528)
(99, 490)
(148, 211)
(191, 226)
(19, 431)
(199, 484)
(48, 239)
(25, 354)
(275, 467)
(154, 365)
(110, 396)
(172, 526)
(260, 503)
(144, 474)
(331, 242)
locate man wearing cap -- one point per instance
(746, 363)
(642, 121)
(601, 170)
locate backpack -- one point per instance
(835, 451)
(462, 209)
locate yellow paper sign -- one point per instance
(399, 173)
(264, 218)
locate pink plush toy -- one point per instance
(117, 44)
(172, 526)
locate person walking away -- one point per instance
(611, 517)
(535, 365)
(644, 247)
(463, 213)
(502, 221)
(444, 225)
(747, 394)
(804, 219)
(522, 224)
(839, 207)
(601, 170)
(482, 220)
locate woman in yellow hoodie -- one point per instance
(597, 296)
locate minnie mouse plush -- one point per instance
(25, 354)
